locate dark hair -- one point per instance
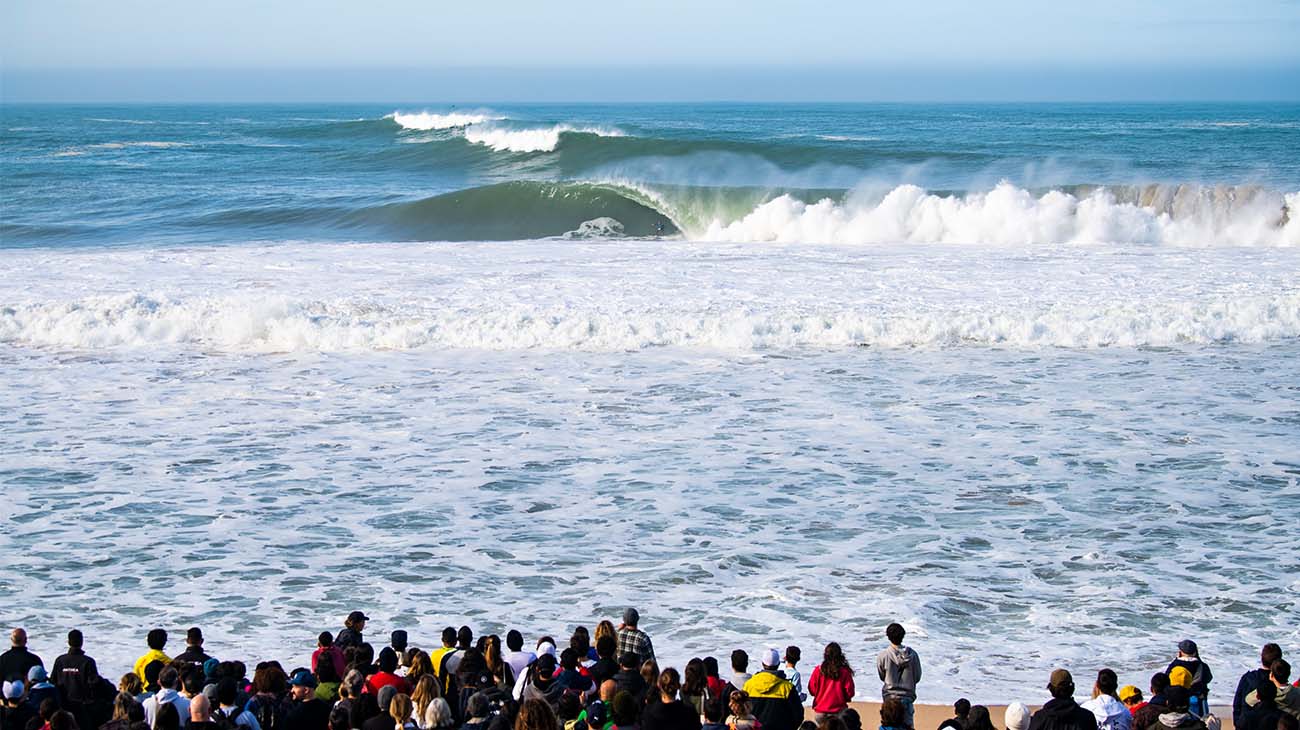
(623, 708)
(669, 682)
(1280, 671)
(166, 718)
(580, 641)
(793, 655)
(694, 682)
(1107, 681)
(605, 647)
(156, 639)
(711, 666)
(979, 719)
(895, 633)
(569, 658)
(626, 660)
(194, 636)
(270, 679)
(892, 713)
(1177, 698)
(514, 640)
(569, 706)
(833, 661)
(739, 660)
(465, 637)
(63, 720)
(961, 707)
(852, 720)
(227, 691)
(326, 671)
(151, 672)
(325, 639)
(388, 659)
(364, 707)
(169, 677)
(339, 719)
(48, 707)
(1159, 683)
(135, 713)
(1287, 722)
(1267, 692)
(75, 639)
(713, 710)
(194, 679)
(536, 715)
(1269, 654)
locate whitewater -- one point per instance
(1020, 377)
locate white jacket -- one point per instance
(1111, 714)
(166, 697)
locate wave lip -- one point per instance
(530, 139)
(427, 121)
(283, 324)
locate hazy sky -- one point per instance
(92, 47)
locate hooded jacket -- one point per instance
(900, 669)
(1288, 700)
(166, 697)
(1111, 714)
(1248, 683)
(151, 656)
(1201, 674)
(776, 704)
(1180, 720)
(76, 675)
(831, 695)
(1062, 714)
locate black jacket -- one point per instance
(602, 670)
(632, 683)
(678, 715)
(379, 722)
(1259, 717)
(311, 714)
(348, 637)
(15, 718)
(1200, 671)
(193, 655)
(15, 663)
(1248, 683)
(76, 676)
(1062, 714)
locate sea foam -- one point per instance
(531, 139)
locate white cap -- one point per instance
(771, 657)
(13, 690)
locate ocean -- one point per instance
(1025, 378)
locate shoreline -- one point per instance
(928, 715)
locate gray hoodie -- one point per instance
(900, 669)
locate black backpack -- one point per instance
(227, 721)
(269, 712)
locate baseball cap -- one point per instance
(13, 690)
(631, 617)
(596, 714)
(1128, 692)
(1180, 677)
(771, 657)
(356, 616)
(302, 678)
(1188, 647)
(1060, 678)
(37, 674)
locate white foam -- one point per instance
(1008, 215)
(530, 139)
(426, 121)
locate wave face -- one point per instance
(572, 295)
(427, 120)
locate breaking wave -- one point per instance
(426, 121)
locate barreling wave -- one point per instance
(280, 324)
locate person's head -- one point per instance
(832, 722)
(833, 661)
(581, 640)
(739, 704)
(37, 675)
(325, 640)
(62, 720)
(892, 713)
(156, 639)
(167, 717)
(1061, 684)
(227, 692)
(979, 719)
(1107, 683)
(739, 660)
(852, 720)
(1180, 677)
(608, 689)
(339, 719)
(48, 707)
(628, 661)
(200, 709)
(514, 640)
(650, 672)
(693, 681)
(399, 708)
(1017, 717)
(1177, 698)
(1267, 693)
(961, 707)
(385, 697)
(151, 672)
(623, 708)
(1287, 722)
(354, 683)
(597, 710)
(793, 655)
(569, 659)
(194, 637)
(477, 707)
(122, 705)
(18, 637)
(1280, 671)
(169, 678)
(326, 671)
(546, 645)
(1269, 654)
(1187, 648)
(421, 664)
(302, 685)
(1131, 696)
(536, 715)
(193, 679)
(569, 707)
(426, 691)
(270, 679)
(75, 639)
(711, 667)
(449, 636)
(895, 633)
(714, 711)
(544, 667)
(130, 684)
(1159, 683)
(605, 647)
(356, 621)
(397, 640)
(770, 658)
(605, 628)
(465, 637)
(631, 617)
(13, 691)
(387, 660)
(669, 683)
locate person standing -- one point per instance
(899, 668)
(351, 634)
(634, 640)
(193, 653)
(831, 684)
(1189, 658)
(307, 712)
(156, 639)
(17, 662)
(1250, 681)
(773, 697)
(1062, 712)
(1105, 705)
(76, 676)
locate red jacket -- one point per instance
(335, 654)
(379, 680)
(831, 695)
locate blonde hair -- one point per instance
(426, 691)
(604, 628)
(421, 666)
(130, 683)
(400, 709)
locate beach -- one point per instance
(929, 716)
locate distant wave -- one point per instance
(530, 139)
(280, 324)
(430, 121)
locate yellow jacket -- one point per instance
(151, 656)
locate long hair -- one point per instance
(400, 709)
(130, 683)
(606, 628)
(833, 661)
(421, 665)
(739, 704)
(536, 715)
(580, 641)
(650, 672)
(693, 680)
(492, 655)
(426, 691)
(669, 683)
(122, 705)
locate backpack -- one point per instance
(268, 710)
(227, 721)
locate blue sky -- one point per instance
(584, 49)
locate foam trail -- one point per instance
(1008, 215)
(426, 121)
(538, 139)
